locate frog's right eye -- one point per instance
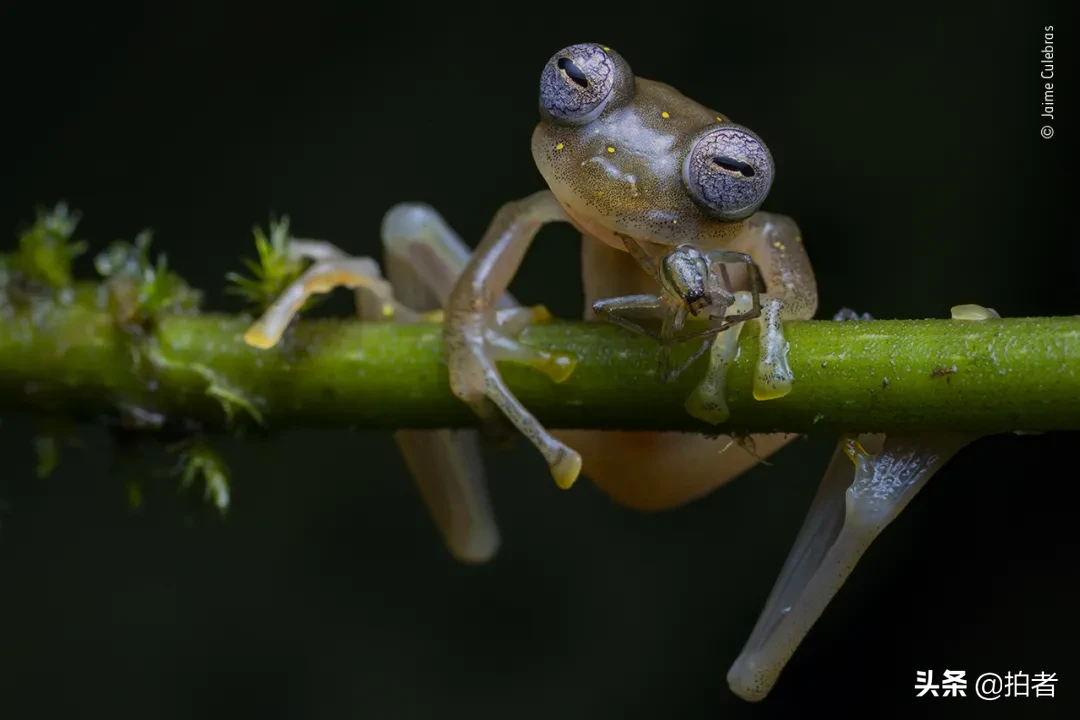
(578, 82)
(729, 170)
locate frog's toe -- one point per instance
(474, 348)
(708, 401)
(356, 273)
(773, 378)
(505, 347)
(860, 494)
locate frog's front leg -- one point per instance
(775, 244)
(474, 342)
(862, 492)
(645, 470)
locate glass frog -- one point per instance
(639, 169)
(665, 191)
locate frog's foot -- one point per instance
(773, 378)
(708, 401)
(474, 349)
(332, 269)
(509, 324)
(859, 496)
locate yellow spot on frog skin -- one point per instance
(778, 245)
(606, 48)
(610, 149)
(664, 115)
(719, 118)
(599, 193)
(560, 146)
(674, 222)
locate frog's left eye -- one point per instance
(729, 170)
(578, 82)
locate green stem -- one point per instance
(887, 375)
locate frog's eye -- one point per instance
(578, 82)
(729, 171)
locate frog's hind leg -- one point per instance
(424, 257)
(860, 495)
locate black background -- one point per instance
(907, 147)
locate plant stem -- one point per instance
(884, 375)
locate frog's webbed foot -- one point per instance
(476, 337)
(861, 493)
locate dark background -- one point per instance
(908, 149)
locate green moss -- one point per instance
(272, 271)
(138, 288)
(45, 253)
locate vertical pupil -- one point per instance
(572, 71)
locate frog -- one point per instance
(639, 169)
(667, 194)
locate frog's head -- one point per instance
(632, 156)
